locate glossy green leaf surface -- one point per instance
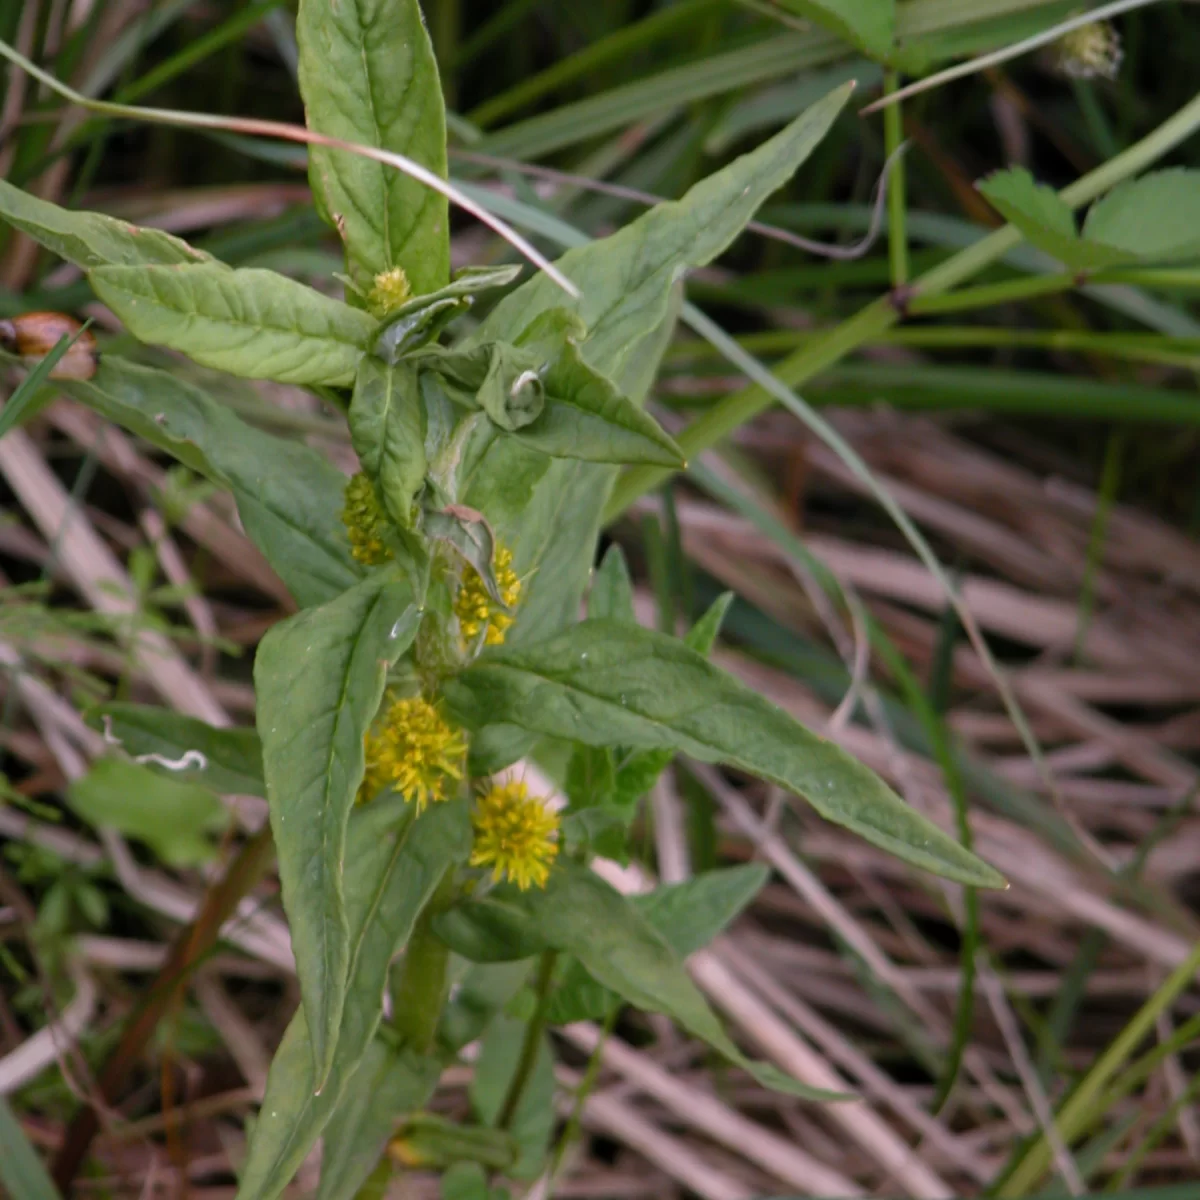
(90, 239)
(224, 760)
(319, 679)
(398, 863)
(368, 76)
(288, 494)
(248, 322)
(602, 683)
(387, 429)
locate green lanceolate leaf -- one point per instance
(611, 596)
(387, 429)
(586, 417)
(397, 864)
(388, 1085)
(579, 913)
(225, 760)
(368, 75)
(625, 280)
(687, 916)
(640, 770)
(248, 322)
(90, 239)
(869, 25)
(288, 495)
(175, 819)
(319, 679)
(601, 683)
(1155, 218)
(1045, 220)
(629, 300)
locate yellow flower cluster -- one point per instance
(476, 610)
(1089, 52)
(365, 523)
(415, 751)
(389, 291)
(515, 834)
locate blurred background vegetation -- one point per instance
(1041, 1041)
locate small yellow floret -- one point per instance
(389, 291)
(365, 522)
(1089, 52)
(477, 610)
(415, 751)
(515, 834)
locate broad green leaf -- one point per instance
(389, 1084)
(224, 760)
(90, 239)
(1154, 218)
(1045, 220)
(534, 1120)
(500, 379)
(493, 929)
(630, 297)
(625, 279)
(398, 862)
(868, 24)
(586, 417)
(319, 678)
(602, 683)
(175, 819)
(21, 1171)
(387, 429)
(577, 912)
(248, 322)
(368, 75)
(611, 595)
(288, 495)
(687, 916)
(639, 771)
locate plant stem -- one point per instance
(419, 993)
(893, 133)
(870, 322)
(532, 1043)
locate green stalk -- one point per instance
(878, 316)
(1088, 1097)
(893, 133)
(532, 1043)
(419, 993)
